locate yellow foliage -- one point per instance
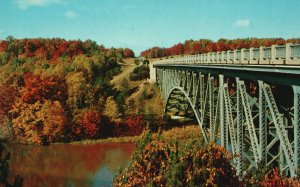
(111, 108)
(38, 122)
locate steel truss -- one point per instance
(249, 126)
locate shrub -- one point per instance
(136, 61)
(91, 124)
(209, 166)
(157, 163)
(140, 73)
(131, 127)
(273, 179)
(149, 167)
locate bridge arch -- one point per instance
(193, 107)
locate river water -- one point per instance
(69, 164)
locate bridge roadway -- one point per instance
(249, 99)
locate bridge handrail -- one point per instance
(275, 54)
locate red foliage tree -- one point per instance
(3, 46)
(128, 53)
(39, 88)
(131, 127)
(91, 123)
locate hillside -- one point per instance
(145, 95)
(54, 90)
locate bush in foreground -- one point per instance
(157, 163)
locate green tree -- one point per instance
(121, 102)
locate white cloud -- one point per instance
(242, 23)
(71, 15)
(24, 4)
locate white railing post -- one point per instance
(251, 56)
(213, 54)
(222, 57)
(261, 54)
(273, 54)
(201, 58)
(235, 57)
(288, 53)
(242, 56)
(228, 57)
(207, 57)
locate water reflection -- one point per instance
(69, 165)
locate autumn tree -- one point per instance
(39, 88)
(111, 108)
(7, 98)
(77, 88)
(90, 124)
(38, 123)
(128, 53)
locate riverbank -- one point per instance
(176, 133)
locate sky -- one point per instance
(141, 24)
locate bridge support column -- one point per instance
(280, 130)
(262, 125)
(221, 103)
(296, 126)
(240, 132)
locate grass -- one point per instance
(181, 134)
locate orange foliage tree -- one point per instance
(38, 123)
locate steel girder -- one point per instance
(250, 127)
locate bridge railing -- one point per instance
(288, 54)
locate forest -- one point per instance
(192, 47)
(54, 90)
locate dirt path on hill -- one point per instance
(151, 105)
(126, 68)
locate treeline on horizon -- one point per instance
(191, 47)
(53, 49)
(54, 90)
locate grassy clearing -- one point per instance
(181, 134)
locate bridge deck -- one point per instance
(280, 74)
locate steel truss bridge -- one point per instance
(247, 100)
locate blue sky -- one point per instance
(141, 24)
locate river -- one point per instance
(69, 164)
